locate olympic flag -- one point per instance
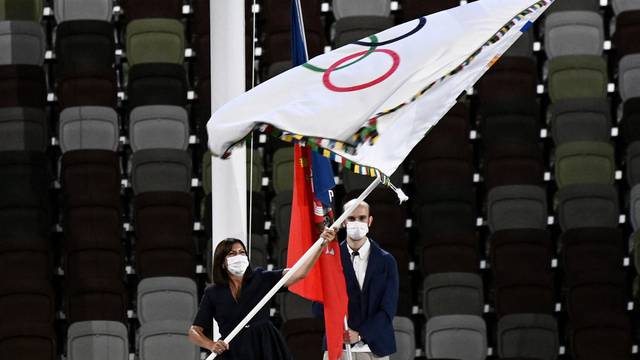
(367, 104)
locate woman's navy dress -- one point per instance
(259, 340)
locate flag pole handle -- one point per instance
(347, 347)
(303, 260)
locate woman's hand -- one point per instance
(219, 347)
(328, 235)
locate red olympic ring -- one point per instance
(326, 76)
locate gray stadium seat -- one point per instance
(456, 337)
(532, 336)
(159, 126)
(356, 28)
(66, 10)
(97, 340)
(259, 253)
(167, 298)
(580, 120)
(634, 206)
(573, 5)
(281, 210)
(633, 163)
(625, 5)
(405, 339)
(282, 169)
(89, 127)
(452, 294)
(573, 33)
(23, 129)
(517, 207)
(629, 76)
(161, 170)
(293, 306)
(22, 43)
(166, 340)
(591, 205)
(346, 8)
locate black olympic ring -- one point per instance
(421, 24)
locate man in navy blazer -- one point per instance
(371, 276)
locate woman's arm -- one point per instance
(197, 336)
(328, 235)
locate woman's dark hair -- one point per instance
(220, 276)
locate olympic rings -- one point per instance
(319, 69)
(327, 74)
(421, 24)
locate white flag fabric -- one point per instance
(367, 104)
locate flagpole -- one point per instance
(347, 347)
(303, 260)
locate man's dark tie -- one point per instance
(354, 254)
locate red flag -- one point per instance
(325, 282)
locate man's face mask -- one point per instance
(357, 230)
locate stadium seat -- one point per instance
(599, 292)
(513, 164)
(30, 301)
(23, 129)
(533, 294)
(88, 88)
(259, 253)
(166, 298)
(523, 46)
(584, 162)
(22, 86)
(24, 42)
(511, 77)
(446, 209)
(620, 6)
(30, 10)
(292, 306)
(91, 178)
(281, 210)
(627, 31)
(201, 17)
(404, 332)
(164, 227)
(161, 170)
(155, 41)
(257, 169)
(348, 8)
(593, 205)
(573, 5)
(68, 10)
(24, 180)
(516, 207)
(413, 9)
(509, 247)
(98, 340)
(93, 247)
(157, 84)
(356, 183)
(142, 9)
(634, 206)
(159, 126)
(532, 336)
(630, 123)
(580, 120)
(282, 169)
(601, 336)
(28, 341)
(166, 340)
(354, 28)
(304, 338)
(573, 33)
(24, 256)
(453, 252)
(591, 251)
(629, 76)
(84, 45)
(512, 121)
(452, 294)
(456, 337)
(95, 298)
(577, 76)
(89, 127)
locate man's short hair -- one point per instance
(351, 202)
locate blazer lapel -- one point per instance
(372, 265)
(347, 266)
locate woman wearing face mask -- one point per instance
(237, 289)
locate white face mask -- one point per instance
(357, 230)
(237, 265)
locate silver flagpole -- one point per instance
(303, 260)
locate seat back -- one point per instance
(89, 128)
